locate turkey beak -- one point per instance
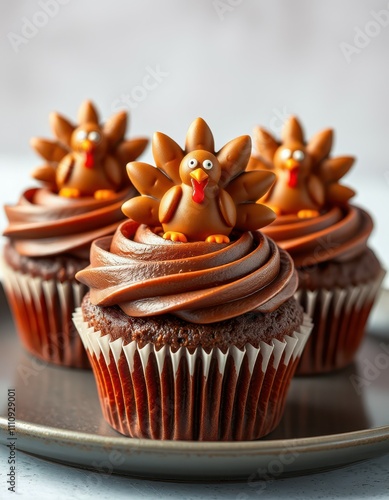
(86, 145)
(199, 175)
(291, 164)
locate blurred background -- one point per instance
(236, 63)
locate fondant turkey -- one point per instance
(197, 194)
(87, 159)
(307, 178)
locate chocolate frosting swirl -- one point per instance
(339, 234)
(200, 282)
(45, 224)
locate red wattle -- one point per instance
(293, 177)
(89, 159)
(198, 194)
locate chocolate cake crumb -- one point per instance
(168, 329)
(330, 274)
(60, 267)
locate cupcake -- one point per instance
(52, 227)
(190, 324)
(339, 275)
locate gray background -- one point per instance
(236, 63)
(252, 63)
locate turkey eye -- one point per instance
(298, 155)
(94, 136)
(81, 135)
(207, 164)
(192, 163)
(286, 154)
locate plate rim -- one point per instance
(337, 441)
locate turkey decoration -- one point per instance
(197, 194)
(87, 159)
(307, 177)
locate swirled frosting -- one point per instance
(45, 224)
(340, 234)
(200, 282)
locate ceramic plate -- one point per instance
(329, 421)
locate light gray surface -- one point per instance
(45, 480)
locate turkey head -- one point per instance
(196, 193)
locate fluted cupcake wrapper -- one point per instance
(339, 317)
(199, 395)
(42, 310)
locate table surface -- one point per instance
(37, 478)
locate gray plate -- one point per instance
(329, 421)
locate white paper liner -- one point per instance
(42, 310)
(275, 362)
(339, 317)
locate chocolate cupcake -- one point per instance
(339, 275)
(190, 325)
(51, 228)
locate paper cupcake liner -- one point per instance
(42, 310)
(339, 317)
(199, 395)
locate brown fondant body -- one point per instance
(191, 215)
(290, 200)
(105, 174)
